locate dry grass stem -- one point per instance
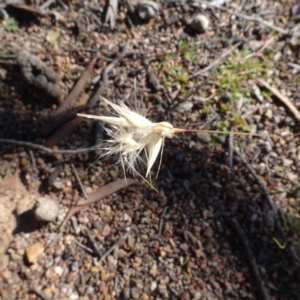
(137, 140)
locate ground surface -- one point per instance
(224, 223)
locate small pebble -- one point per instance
(135, 293)
(33, 252)
(208, 232)
(197, 296)
(113, 174)
(46, 209)
(204, 137)
(269, 114)
(126, 293)
(199, 23)
(153, 270)
(147, 10)
(162, 289)
(268, 147)
(58, 270)
(74, 296)
(153, 286)
(75, 266)
(58, 184)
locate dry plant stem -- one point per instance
(92, 102)
(79, 182)
(161, 222)
(216, 62)
(66, 110)
(84, 247)
(107, 190)
(59, 120)
(231, 154)
(119, 241)
(294, 257)
(29, 8)
(37, 291)
(94, 243)
(281, 97)
(178, 130)
(75, 225)
(46, 149)
(265, 45)
(251, 260)
(62, 132)
(46, 4)
(111, 13)
(77, 89)
(252, 18)
(97, 195)
(137, 140)
(54, 240)
(297, 184)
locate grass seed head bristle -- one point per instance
(136, 139)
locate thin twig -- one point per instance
(161, 221)
(94, 243)
(75, 225)
(252, 263)
(293, 65)
(255, 109)
(85, 195)
(297, 184)
(91, 103)
(119, 241)
(294, 257)
(216, 62)
(46, 149)
(281, 97)
(264, 46)
(84, 247)
(54, 240)
(230, 141)
(32, 158)
(33, 165)
(36, 290)
(252, 18)
(46, 4)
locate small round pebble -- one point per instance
(147, 10)
(199, 23)
(135, 293)
(46, 209)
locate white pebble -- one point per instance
(74, 296)
(58, 270)
(153, 286)
(46, 209)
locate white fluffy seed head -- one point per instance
(136, 139)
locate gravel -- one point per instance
(217, 225)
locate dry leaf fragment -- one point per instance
(97, 195)
(281, 97)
